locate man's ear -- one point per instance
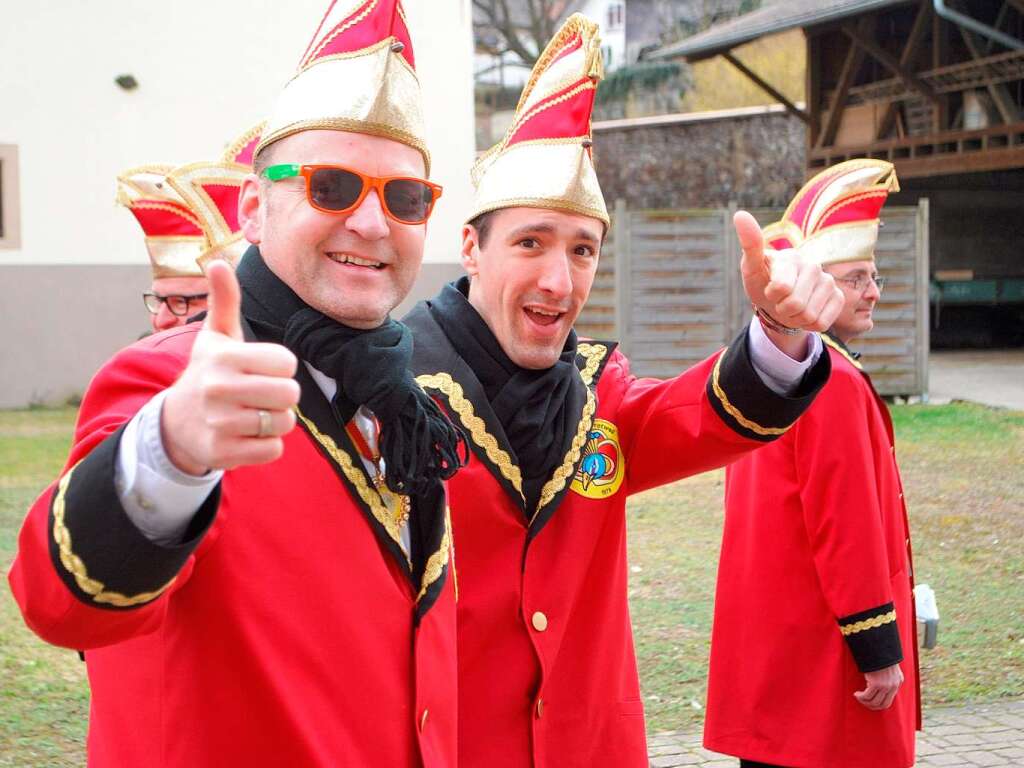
(470, 250)
(250, 211)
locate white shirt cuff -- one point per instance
(159, 498)
(779, 372)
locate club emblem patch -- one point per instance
(603, 466)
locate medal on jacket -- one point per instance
(399, 504)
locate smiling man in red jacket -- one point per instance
(813, 652)
(562, 433)
(247, 593)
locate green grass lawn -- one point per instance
(44, 699)
(961, 465)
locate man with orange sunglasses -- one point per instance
(240, 587)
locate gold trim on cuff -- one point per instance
(866, 624)
(733, 411)
(74, 565)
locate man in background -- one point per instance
(813, 651)
(188, 215)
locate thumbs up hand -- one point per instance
(234, 401)
(795, 293)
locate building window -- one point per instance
(10, 225)
(616, 15)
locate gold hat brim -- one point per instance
(373, 91)
(542, 174)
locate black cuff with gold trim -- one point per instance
(100, 555)
(748, 405)
(873, 637)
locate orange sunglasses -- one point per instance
(336, 189)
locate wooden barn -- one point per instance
(936, 87)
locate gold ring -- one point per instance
(265, 424)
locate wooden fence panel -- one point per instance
(668, 288)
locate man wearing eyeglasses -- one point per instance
(247, 593)
(187, 221)
(172, 301)
(813, 651)
(174, 239)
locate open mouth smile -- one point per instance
(348, 258)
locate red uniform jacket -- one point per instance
(547, 671)
(814, 589)
(289, 629)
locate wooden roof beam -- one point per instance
(1000, 95)
(890, 62)
(909, 52)
(792, 108)
(852, 62)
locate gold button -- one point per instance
(540, 621)
(423, 719)
(540, 708)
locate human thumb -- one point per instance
(224, 300)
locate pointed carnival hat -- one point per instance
(189, 214)
(546, 158)
(358, 74)
(834, 218)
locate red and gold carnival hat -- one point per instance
(358, 74)
(834, 218)
(211, 190)
(189, 214)
(174, 236)
(546, 158)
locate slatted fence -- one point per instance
(669, 289)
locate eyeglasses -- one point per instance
(860, 282)
(177, 303)
(335, 189)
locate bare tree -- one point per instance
(519, 27)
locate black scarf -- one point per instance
(419, 445)
(529, 404)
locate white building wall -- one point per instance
(613, 28)
(207, 69)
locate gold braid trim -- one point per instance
(733, 411)
(477, 429)
(594, 353)
(369, 495)
(74, 565)
(236, 146)
(568, 465)
(438, 560)
(354, 126)
(542, 202)
(838, 348)
(587, 85)
(186, 214)
(576, 24)
(872, 623)
(344, 27)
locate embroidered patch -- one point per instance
(603, 466)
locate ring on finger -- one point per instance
(265, 424)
